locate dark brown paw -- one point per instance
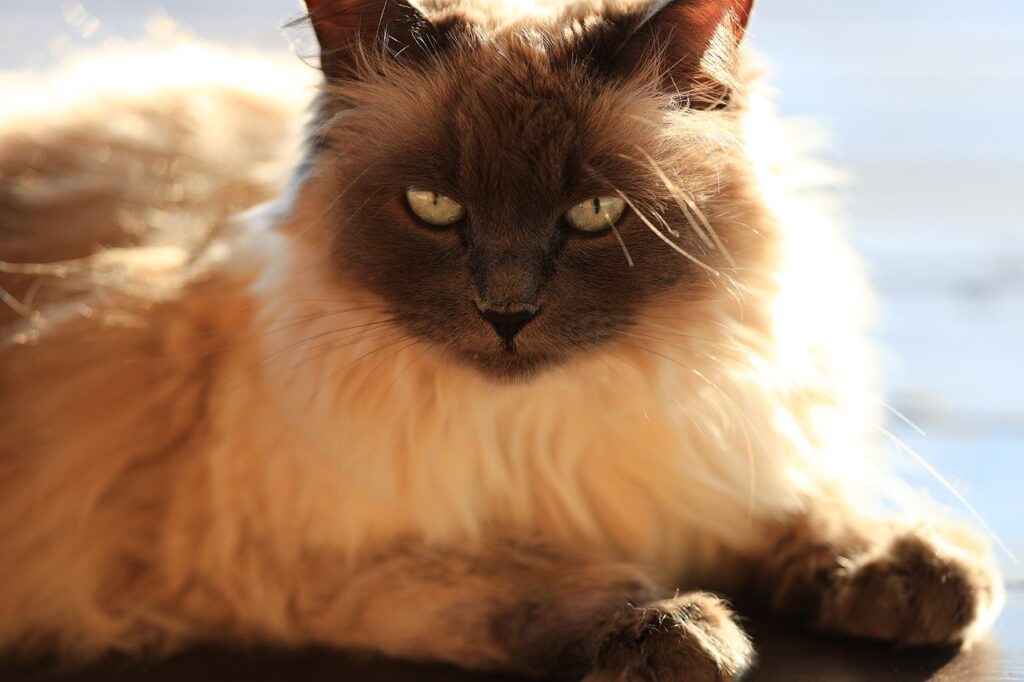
(916, 590)
(917, 587)
(691, 638)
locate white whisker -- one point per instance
(926, 465)
(646, 221)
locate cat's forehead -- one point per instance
(508, 118)
(517, 118)
(523, 115)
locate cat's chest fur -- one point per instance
(327, 433)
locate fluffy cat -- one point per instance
(542, 339)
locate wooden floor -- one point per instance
(786, 655)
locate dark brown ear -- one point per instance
(350, 31)
(682, 33)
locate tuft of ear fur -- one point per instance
(351, 31)
(696, 42)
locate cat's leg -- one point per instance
(909, 585)
(529, 610)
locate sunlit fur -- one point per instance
(193, 433)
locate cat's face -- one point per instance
(511, 196)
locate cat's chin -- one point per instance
(508, 367)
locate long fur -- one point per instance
(193, 425)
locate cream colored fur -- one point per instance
(187, 437)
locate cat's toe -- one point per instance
(691, 638)
(917, 590)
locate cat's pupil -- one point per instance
(597, 205)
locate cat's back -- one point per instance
(117, 172)
(151, 145)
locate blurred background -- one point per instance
(923, 102)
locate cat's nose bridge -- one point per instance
(510, 257)
(507, 279)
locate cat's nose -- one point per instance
(508, 322)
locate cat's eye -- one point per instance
(433, 208)
(595, 214)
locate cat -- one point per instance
(540, 347)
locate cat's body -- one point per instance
(232, 439)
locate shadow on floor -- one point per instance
(785, 655)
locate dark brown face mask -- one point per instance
(510, 194)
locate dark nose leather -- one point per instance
(508, 323)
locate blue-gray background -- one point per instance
(924, 103)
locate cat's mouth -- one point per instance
(500, 352)
(505, 348)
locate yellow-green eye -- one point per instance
(595, 214)
(434, 208)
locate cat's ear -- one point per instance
(352, 33)
(694, 41)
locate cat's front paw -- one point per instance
(916, 590)
(691, 638)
